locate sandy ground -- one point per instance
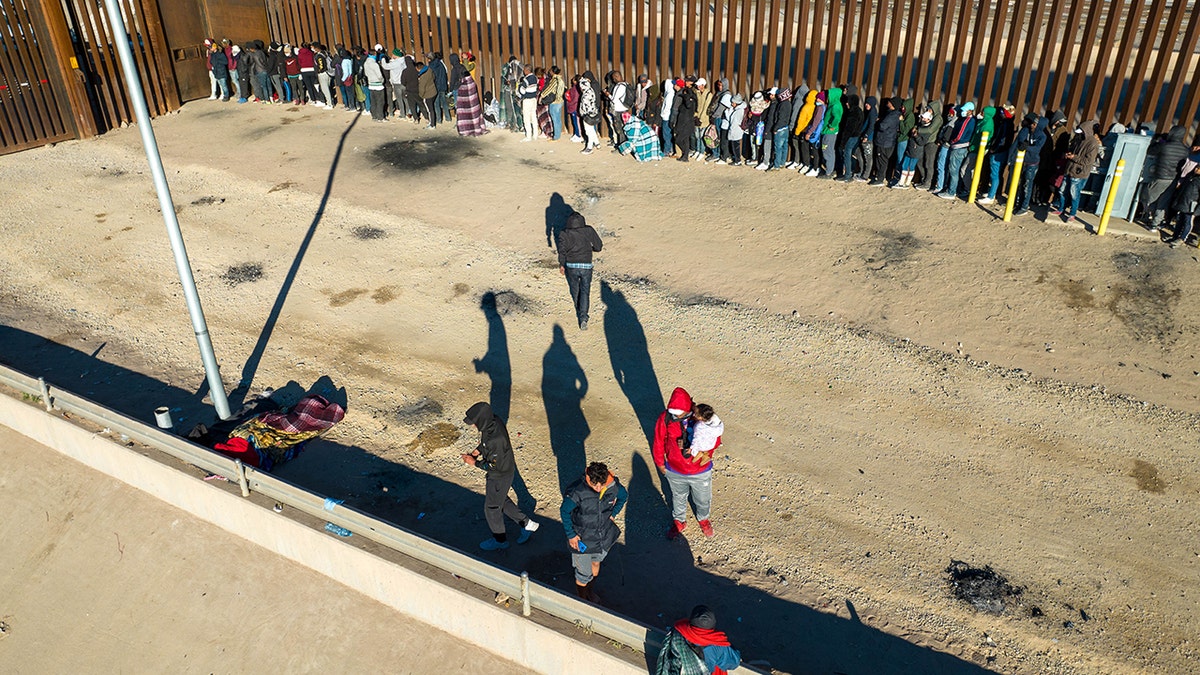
(904, 382)
(100, 577)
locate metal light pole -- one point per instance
(167, 205)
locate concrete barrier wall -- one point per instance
(474, 621)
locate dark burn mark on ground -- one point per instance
(893, 247)
(983, 588)
(209, 200)
(1144, 302)
(702, 301)
(506, 302)
(423, 154)
(245, 273)
(1079, 294)
(368, 232)
(421, 410)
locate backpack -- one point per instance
(630, 96)
(337, 70)
(711, 136)
(323, 64)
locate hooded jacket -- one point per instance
(457, 72)
(1002, 139)
(781, 111)
(965, 126)
(409, 77)
(1086, 150)
(852, 120)
(986, 123)
(670, 436)
(1187, 196)
(805, 116)
(1031, 142)
(833, 111)
(871, 118)
(440, 77)
(1169, 157)
(887, 130)
(426, 87)
(495, 449)
(817, 126)
(577, 241)
(930, 133)
(908, 117)
(668, 99)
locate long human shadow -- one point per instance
(498, 367)
(252, 362)
(556, 218)
(564, 385)
(647, 578)
(629, 355)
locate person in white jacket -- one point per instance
(731, 151)
(668, 101)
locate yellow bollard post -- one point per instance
(1013, 185)
(1112, 197)
(983, 141)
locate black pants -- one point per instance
(683, 132)
(431, 110)
(866, 154)
(579, 280)
(497, 504)
(414, 103)
(883, 160)
(928, 164)
(310, 86)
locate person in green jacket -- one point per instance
(928, 165)
(986, 122)
(833, 121)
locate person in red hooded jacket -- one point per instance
(688, 475)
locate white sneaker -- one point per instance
(985, 200)
(526, 140)
(212, 98)
(576, 139)
(813, 173)
(721, 162)
(790, 165)
(531, 526)
(762, 167)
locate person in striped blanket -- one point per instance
(640, 140)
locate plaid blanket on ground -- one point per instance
(311, 413)
(641, 140)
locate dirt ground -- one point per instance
(94, 568)
(904, 382)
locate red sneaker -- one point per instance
(676, 528)
(706, 528)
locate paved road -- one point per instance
(96, 576)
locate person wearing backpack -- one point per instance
(324, 65)
(694, 646)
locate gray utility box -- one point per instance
(1132, 148)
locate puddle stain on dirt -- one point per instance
(983, 588)
(245, 273)
(1146, 475)
(1078, 294)
(893, 247)
(461, 289)
(1144, 303)
(385, 294)
(346, 297)
(436, 437)
(418, 411)
(282, 186)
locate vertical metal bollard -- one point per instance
(45, 394)
(525, 611)
(1112, 196)
(983, 141)
(1013, 185)
(242, 482)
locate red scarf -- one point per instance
(702, 637)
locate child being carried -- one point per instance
(704, 433)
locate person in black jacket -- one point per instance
(576, 243)
(495, 456)
(588, 513)
(887, 133)
(850, 134)
(683, 120)
(220, 69)
(1185, 203)
(1162, 170)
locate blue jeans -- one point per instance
(994, 163)
(263, 91)
(1070, 191)
(954, 168)
(908, 163)
(1025, 189)
(347, 96)
(829, 153)
(848, 157)
(576, 126)
(579, 281)
(441, 106)
(224, 85)
(940, 181)
(556, 116)
(780, 141)
(668, 142)
(901, 146)
(1183, 228)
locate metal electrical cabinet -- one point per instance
(1132, 148)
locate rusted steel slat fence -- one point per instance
(1129, 61)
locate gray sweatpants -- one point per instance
(698, 487)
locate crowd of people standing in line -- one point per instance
(831, 133)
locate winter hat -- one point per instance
(738, 100)
(397, 52)
(758, 96)
(773, 90)
(1032, 117)
(703, 617)
(680, 84)
(208, 42)
(1008, 109)
(785, 94)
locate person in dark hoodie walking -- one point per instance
(1168, 156)
(588, 514)
(576, 243)
(494, 454)
(694, 646)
